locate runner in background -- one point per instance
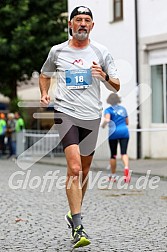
(116, 117)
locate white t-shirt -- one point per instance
(78, 93)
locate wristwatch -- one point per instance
(107, 77)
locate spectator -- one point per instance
(20, 125)
(2, 133)
(11, 134)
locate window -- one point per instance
(159, 93)
(118, 10)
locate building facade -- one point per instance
(153, 71)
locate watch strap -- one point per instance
(107, 77)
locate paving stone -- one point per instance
(117, 220)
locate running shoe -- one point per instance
(113, 178)
(127, 176)
(80, 238)
(68, 219)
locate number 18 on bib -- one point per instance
(78, 78)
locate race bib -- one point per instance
(78, 78)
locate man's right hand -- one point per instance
(44, 83)
(45, 100)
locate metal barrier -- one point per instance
(47, 143)
(39, 142)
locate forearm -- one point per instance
(127, 121)
(44, 84)
(112, 84)
(104, 123)
(106, 120)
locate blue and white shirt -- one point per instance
(117, 125)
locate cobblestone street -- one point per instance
(32, 212)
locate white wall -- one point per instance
(152, 50)
(152, 17)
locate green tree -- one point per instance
(27, 31)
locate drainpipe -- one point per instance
(137, 81)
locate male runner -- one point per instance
(80, 65)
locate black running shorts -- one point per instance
(113, 143)
(76, 131)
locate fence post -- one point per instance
(19, 142)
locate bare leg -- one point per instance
(73, 188)
(113, 165)
(125, 160)
(86, 163)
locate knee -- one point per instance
(74, 171)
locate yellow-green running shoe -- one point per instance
(80, 238)
(68, 219)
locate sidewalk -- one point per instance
(141, 166)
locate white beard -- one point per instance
(80, 36)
